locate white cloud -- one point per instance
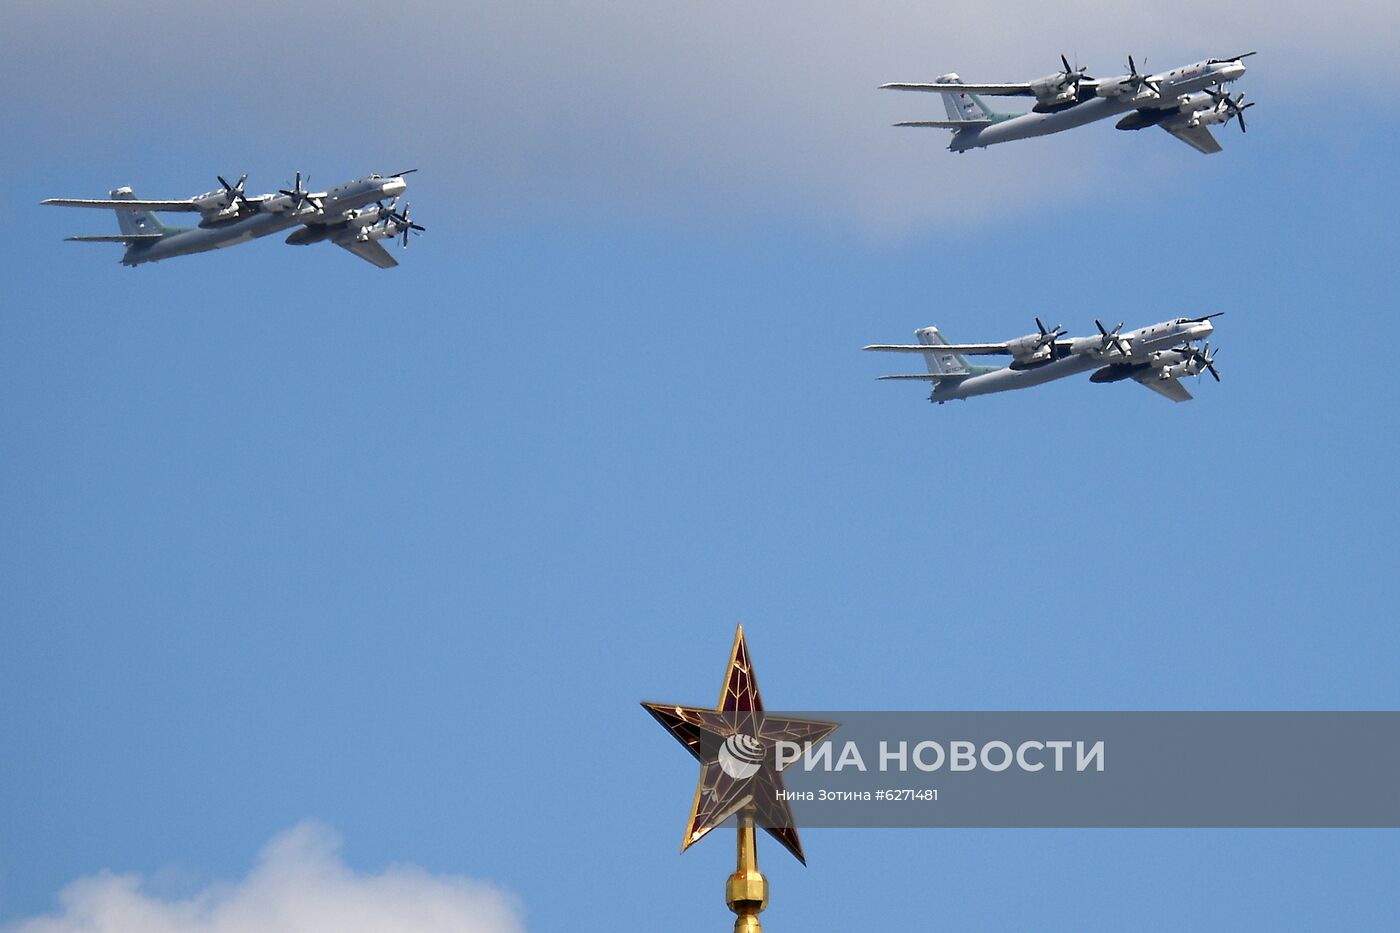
(624, 108)
(298, 885)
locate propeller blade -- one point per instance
(1111, 338)
(1240, 109)
(235, 192)
(1203, 358)
(1140, 80)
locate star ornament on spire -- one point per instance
(734, 743)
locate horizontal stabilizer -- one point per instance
(948, 124)
(125, 204)
(927, 377)
(958, 87)
(986, 349)
(117, 238)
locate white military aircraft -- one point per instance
(342, 215)
(1156, 356)
(1185, 102)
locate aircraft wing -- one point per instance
(1167, 388)
(995, 90)
(1197, 137)
(128, 238)
(927, 377)
(127, 204)
(948, 124)
(371, 251)
(971, 349)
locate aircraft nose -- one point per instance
(1233, 71)
(393, 186)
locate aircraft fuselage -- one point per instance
(1077, 355)
(1175, 84)
(335, 203)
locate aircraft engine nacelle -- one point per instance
(1028, 348)
(1190, 103)
(1210, 117)
(278, 204)
(379, 231)
(1116, 87)
(212, 201)
(1053, 89)
(217, 217)
(367, 217)
(1177, 370)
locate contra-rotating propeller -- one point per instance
(402, 223)
(1110, 338)
(1234, 105)
(1072, 76)
(1140, 81)
(235, 192)
(300, 195)
(1048, 337)
(1203, 357)
(385, 211)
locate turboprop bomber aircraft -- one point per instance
(1185, 102)
(342, 215)
(1156, 356)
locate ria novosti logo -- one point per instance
(741, 756)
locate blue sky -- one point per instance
(288, 538)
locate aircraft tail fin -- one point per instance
(963, 106)
(134, 222)
(941, 363)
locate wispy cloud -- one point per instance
(298, 885)
(631, 107)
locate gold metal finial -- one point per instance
(746, 891)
